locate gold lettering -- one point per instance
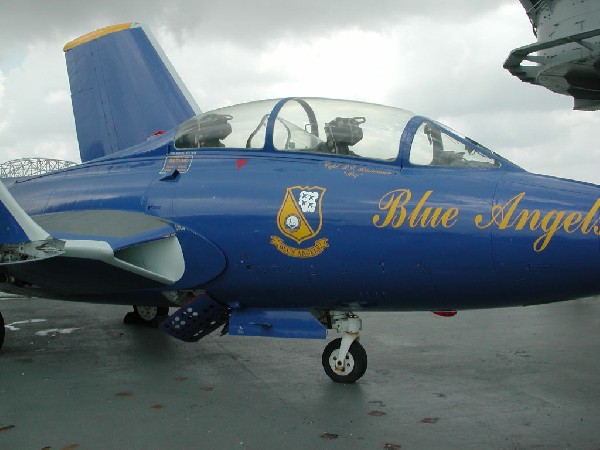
(512, 203)
(550, 229)
(449, 217)
(395, 204)
(525, 216)
(501, 214)
(390, 202)
(412, 220)
(432, 221)
(574, 219)
(585, 226)
(505, 216)
(310, 252)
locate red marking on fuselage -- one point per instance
(445, 313)
(241, 163)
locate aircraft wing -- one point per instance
(82, 252)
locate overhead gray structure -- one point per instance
(566, 57)
(31, 166)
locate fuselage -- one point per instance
(384, 235)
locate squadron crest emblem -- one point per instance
(300, 219)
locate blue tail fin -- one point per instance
(123, 89)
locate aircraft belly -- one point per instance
(72, 276)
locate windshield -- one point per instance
(435, 145)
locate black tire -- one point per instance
(355, 364)
(146, 315)
(129, 318)
(149, 313)
(2, 331)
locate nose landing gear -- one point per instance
(345, 359)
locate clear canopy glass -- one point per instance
(336, 127)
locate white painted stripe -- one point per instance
(33, 231)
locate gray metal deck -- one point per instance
(515, 378)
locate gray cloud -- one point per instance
(247, 23)
(441, 59)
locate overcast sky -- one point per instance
(439, 59)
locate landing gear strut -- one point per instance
(147, 315)
(345, 359)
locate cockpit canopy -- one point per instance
(334, 127)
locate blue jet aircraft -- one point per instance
(281, 218)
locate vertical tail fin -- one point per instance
(123, 89)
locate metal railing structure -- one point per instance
(32, 166)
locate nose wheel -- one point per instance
(348, 368)
(344, 359)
